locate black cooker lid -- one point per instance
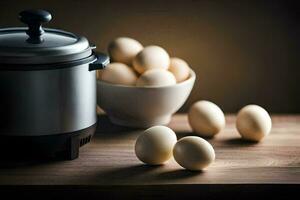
(34, 45)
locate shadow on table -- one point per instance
(142, 174)
(108, 131)
(181, 134)
(104, 126)
(178, 174)
(239, 142)
(127, 174)
(15, 162)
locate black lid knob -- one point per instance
(34, 20)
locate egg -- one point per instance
(124, 49)
(118, 73)
(193, 153)
(155, 145)
(151, 57)
(206, 118)
(253, 123)
(179, 68)
(156, 77)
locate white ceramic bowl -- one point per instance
(142, 107)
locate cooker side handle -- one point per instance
(100, 63)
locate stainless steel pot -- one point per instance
(47, 81)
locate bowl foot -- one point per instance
(139, 123)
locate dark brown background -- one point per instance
(242, 51)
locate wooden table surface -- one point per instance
(108, 166)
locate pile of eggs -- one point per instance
(158, 144)
(135, 65)
(151, 66)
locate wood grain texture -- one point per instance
(109, 161)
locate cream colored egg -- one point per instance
(253, 123)
(156, 77)
(151, 57)
(193, 153)
(118, 73)
(124, 49)
(180, 69)
(206, 118)
(155, 145)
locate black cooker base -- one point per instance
(62, 146)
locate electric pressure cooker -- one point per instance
(47, 87)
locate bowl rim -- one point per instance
(191, 78)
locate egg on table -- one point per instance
(156, 77)
(180, 69)
(193, 153)
(155, 145)
(124, 49)
(118, 73)
(151, 57)
(206, 118)
(253, 123)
